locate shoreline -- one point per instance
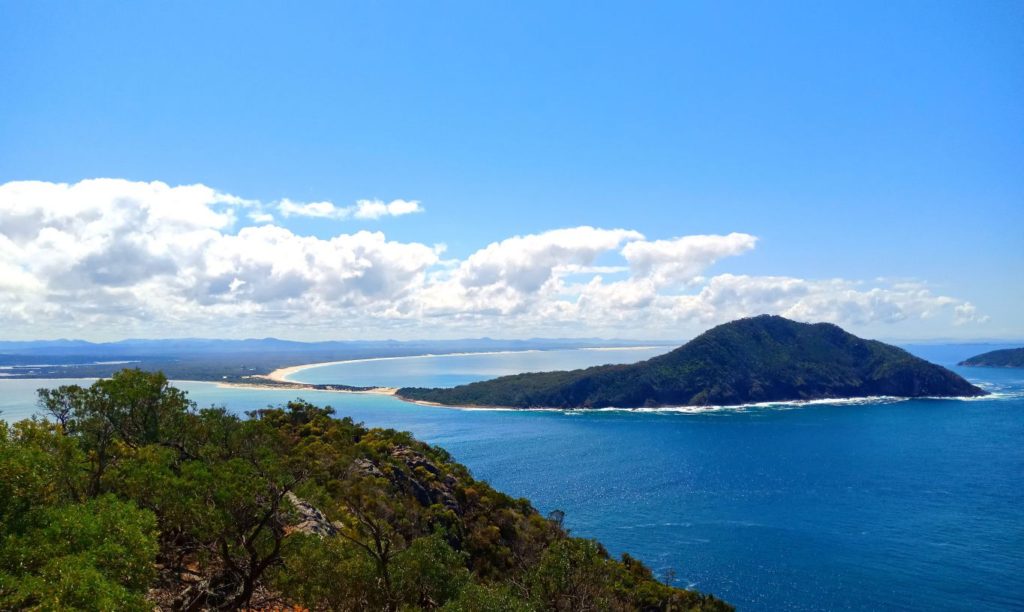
(695, 409)
(290, 385)
(281, 375)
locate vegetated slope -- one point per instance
(759, 359)
(1006, 358)
(126, 497)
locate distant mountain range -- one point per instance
(1006, 358)
(136, 347)
(759, 359)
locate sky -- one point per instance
(509, 169)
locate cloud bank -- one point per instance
(110, 258)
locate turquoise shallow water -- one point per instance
(852, 506)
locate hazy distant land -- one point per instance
(1005, 358)
(243, 361)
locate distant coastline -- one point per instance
(280, 378)
(282, 375)
(302, 386)
(239, 360)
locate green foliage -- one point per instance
(96, 555)
(761, 359)
(290, 505)
(429, 573)
(573, 574)
(576, 574)
(39, 467)
(487, 598)
(328, 574)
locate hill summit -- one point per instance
(759, 359)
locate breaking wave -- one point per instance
(995, 394)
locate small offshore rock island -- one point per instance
(759, 359)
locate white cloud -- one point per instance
(728, 296)
(375, 209)
(508, 277)
(110, 258)
(967, 313)
(680, 260)
(323, 210)
(261, 217)
(115, 253)
(526, 263)
(363, 209)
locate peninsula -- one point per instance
(759, 359)
(1005, 358)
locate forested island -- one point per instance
(124, 496)
(1005, 358)
(758, 359)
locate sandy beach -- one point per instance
(282, 375)
(276, 384)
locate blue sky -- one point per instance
(859, 142)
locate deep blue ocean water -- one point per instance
(915, 505)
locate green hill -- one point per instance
(1006, 358)
(760, 359)
(125, 496)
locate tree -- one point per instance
(132, 407)
(242, 489)
(429, 572)
(381, 524)
(96, 555)
(572, 576)
(39, 467)
(328, 574)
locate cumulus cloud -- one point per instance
(680, 260)
(967, 313)
(728, 296)
(509, 276)
(101, 252)
(110, 257)
(362, 209)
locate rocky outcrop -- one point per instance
(427, 483)
(366, 469)
(310, 519)
(421, 478)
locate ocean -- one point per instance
(858, 505)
